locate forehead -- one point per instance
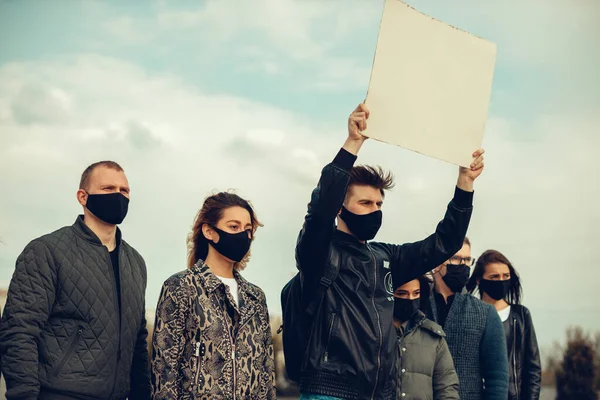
(410, 286)
(465, 251)
(236, 213)
(497, 268)
(102, 175)
(364, 192)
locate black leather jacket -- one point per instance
(523, 355)
(351, 351)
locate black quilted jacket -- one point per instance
(61, 332)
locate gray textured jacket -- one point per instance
(424, 364)
(61, 331)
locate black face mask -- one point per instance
(497, 290)
(110, 208)
(456, 277)
(232, 245)
(363, 227)
(404, 309)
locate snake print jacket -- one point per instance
(205, 346)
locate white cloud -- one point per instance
(125, 30)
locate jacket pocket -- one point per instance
(329, 335)
(66, 356)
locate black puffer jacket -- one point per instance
(61, 332)
(351, 352)
(524, 365)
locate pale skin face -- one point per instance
(103, 180)
(360, 200)
(234, 220)
(495, 272)
(463, 253)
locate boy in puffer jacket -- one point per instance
(424, 365)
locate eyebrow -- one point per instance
(238, 222)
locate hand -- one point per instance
(476, 167)
(357, 122)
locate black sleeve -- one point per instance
(412, 260)
(532, 368)
(312, 248)
(141, 388)
(30, 299)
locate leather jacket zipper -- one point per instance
(515, 356)
(326, 356)
(74, 340)
(378, 323)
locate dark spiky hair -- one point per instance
(372, 176)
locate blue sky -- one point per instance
(192, 97)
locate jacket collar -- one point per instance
(211, 282)
(88, 235)
(344, 237)
(419, 320)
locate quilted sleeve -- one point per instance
(267, 374)
(30, 298)
(167, 340)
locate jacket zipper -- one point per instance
(74, 340)
(515, 356)
(326, 356)
(233, 363)
(378, 324)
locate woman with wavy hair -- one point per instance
(499, 284)
(212, 336)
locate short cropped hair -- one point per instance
(84, 183)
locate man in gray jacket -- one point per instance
(74, 324)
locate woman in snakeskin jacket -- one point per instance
(212, 337)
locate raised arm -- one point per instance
(30, 298)
(312, 248)
(414, 259)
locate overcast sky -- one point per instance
(194, 97)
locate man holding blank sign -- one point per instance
(350, 348)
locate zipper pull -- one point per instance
(197, 349)
(233, 352)
(326, 356)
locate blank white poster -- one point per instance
(430, 85)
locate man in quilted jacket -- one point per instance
(74, 324)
